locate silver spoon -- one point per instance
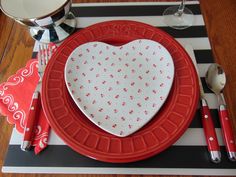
(216, 80)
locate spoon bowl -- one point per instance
(215, 78)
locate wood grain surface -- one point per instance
(16, 47)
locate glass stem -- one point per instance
(181, 8)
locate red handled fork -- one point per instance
(44, 55)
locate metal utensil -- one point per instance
(208, 125)
(216, 80)
(44, 55)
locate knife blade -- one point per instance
(207, 122)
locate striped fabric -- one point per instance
(188, 156)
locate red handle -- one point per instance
(209, 129)
(32, 119)
(210, 134)
(227, 131)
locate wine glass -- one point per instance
(48, 20)
(178, 17)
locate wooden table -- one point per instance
(16, 47)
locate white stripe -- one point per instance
(70, 22)
(60, 32)
(36, 46)
(45, 35)
(196, 137)
(202, 69)
(212, 100)
(201, 43)
(192, 137)
(156, 21)
(119, 170)
(130, 3)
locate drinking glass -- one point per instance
(48, 20)
(178, 17)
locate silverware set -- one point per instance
(216, 80)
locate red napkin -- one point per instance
(15, 99)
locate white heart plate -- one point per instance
(120, 88)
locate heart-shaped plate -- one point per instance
(120, 88)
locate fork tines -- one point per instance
(43, 54)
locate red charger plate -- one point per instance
(71, 125)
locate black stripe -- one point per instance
(204, 56)
(34, 55)
(193, 32)
(59, 15)
(39, 35)
(197, 123)
(53, 35)
(109, 11)
(63, 156)
(204, 85)
(67, 28)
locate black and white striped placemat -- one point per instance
(188, 156)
